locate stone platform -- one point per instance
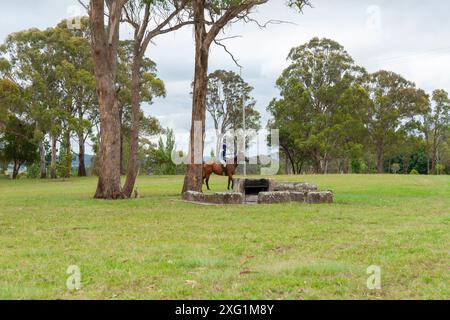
(263, 191)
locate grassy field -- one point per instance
(158, 247)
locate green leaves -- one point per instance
(320, 103)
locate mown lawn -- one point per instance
(158, 247)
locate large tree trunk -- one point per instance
(317, 165)
(133, 164)
(105, 44)
(122, 165)
(16, 168)
(43, 165)
(194, 175)
(380, 161)
(108, 186)
(434, 155)
(81, 154)
(53, 174)
(68, 155)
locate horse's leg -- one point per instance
(207, 182)
(229, 182)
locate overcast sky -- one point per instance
(410, 37)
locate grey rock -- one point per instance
(218, 198)
(298, 196)
(274, 197)
(295, 186)
(193, 196)
(318, 197)
(229, 198)
(306, 186)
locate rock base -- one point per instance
(274, 197)
(319, 197)
(313, 197)
(271, 193)
(218, 198)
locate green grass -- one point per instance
(158, 247)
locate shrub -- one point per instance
(395, 168)
(440, 169)
(33, 171)
(414, 172)
(358, 166)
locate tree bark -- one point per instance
(317, 165)
(53, 162)
(16, 168)
(434, 155)
(81, 154)
(203, 40)
(194, 176)
(380, 160)
(43, 166)
(122, 165)
(133, 164)
(68, 155)
(105, 44)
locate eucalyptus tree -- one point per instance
(150, 87)
(29, 62)
(394, 108)
(437, 124)
(76, 83)
(210, 19)
(227, 92)
(104, 46)
(320, 109)
(148, 19)
(18, 144)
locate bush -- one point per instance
(22, 175)
(395, 168)
(64, 168)
(414, 172)
(440, 169)
(356, 165)
(33, 171)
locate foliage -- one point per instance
(321, 110)
(395, 168)
(224, 102)
(17, 144)
(33, 171)
(358, 165)
(162, 155)
(437, 125)
(395, 104)
(440, 169)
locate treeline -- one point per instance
(335, 117)
(49, 109)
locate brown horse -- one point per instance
(219, 169)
